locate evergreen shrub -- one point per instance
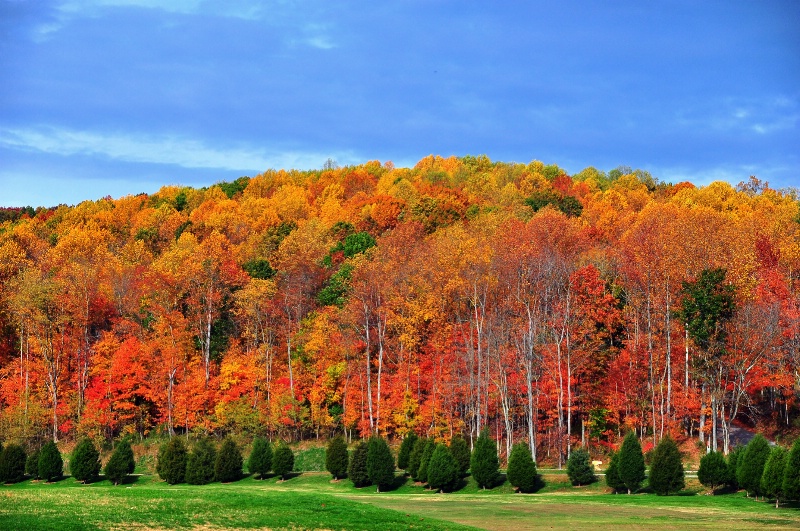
(260, 460)
(228, 464)
(337, 458)
(85, 461)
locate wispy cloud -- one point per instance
(775, 174)
(761, 117)
(230, 8)
(285, 16)
(165, 149)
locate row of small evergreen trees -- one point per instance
(626, 470)
(204, 464)
(756, 468)
(442, 467)
(47, 463)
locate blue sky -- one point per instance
(117, 97)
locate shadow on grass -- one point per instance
(398, 482)
(288, 476)
(130, 479)
(726, 489)
(462, 484)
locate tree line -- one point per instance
(771, 473)
(441, 300)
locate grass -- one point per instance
(153, 505)
(314, 501)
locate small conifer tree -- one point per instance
(443, 473)
(283, 461)
(201, 463)
(357, 470)
(713, 470)
(751, 465)
(51, 466)
(772, 479)
(337, 458)
(12, 464)
(631, 463)
(791, 473)
(521, 471)
(612, 474)
(734, 458)
(121, 462)
(172, 458)
(460, 450)
(427, 453)
(415, 457)
(666, 468)
(32, 464)
(484, 464)
(228, 465)
(579, 468)
(260, 460)
(404, 455)
(380, 463)
(85, 461)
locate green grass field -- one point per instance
(313, 501)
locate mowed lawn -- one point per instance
(313, 501)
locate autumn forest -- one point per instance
(457, 295)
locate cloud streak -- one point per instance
(164, 149)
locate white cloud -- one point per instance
(164, 149)
(245, 9)
(774, 174)
(285, 16)
(761, 117)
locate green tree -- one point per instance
(734, 458)
(85, 461)
(706, 305)
(579, 468)
(172, 458)
(357, 470)
(260, 460)
(484, 464)
(522, 472)
(713, 470)
(283, 461)
(12, 464)
(380, 463)
(51, 466)
(791, 473)
(631, 463)
(443, 473)
(460, 450)
(751, 465)
(228, 465)
(415, 457)
(404, 455)
(121, 462)
(666, 468)
(427, 453)
(201, 462)
(772, 479)
(337, 458)
(32, 464)
(613, 480)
